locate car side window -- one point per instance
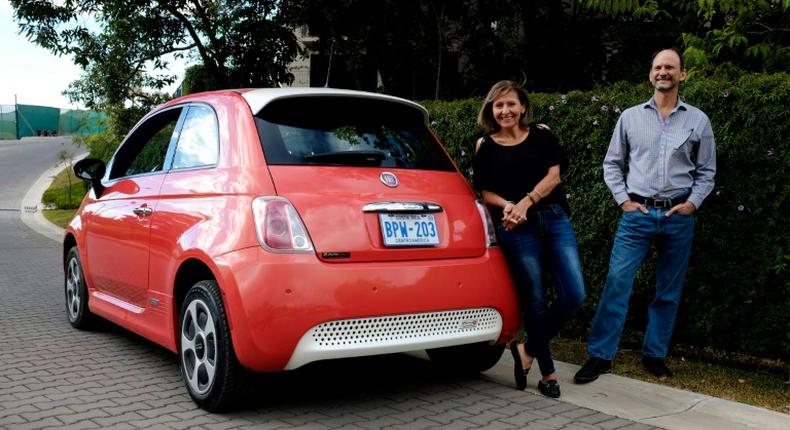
(198, 141)
(145, 150)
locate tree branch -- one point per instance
(201, 13)
(208, 60)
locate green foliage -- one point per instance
(103, 145)
(741, 34)
(456, 124)
(116, 122)
(68, 197)
(59, 217)
(196, 80)
(65, 193)
(440, 49)
(737, 296)
(239, 43)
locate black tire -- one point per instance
(76, 292)
(467, 359)
(211, 372)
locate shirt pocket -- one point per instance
(681, 138)
(683, 143)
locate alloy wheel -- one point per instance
(73, 292)
(199, 347)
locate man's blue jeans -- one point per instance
(545, 243)
(637, 231)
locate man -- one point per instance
(659, 167)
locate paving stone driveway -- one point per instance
(53, 376)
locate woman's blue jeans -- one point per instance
(545, 243)
(636, 233)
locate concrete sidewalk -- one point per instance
(648, 403)
(31, 207)
(643, 402)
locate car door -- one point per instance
(118, 234)
(192, 204)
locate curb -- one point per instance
(30, 210)
(648, 403)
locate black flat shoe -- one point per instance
(592, 369)
(519, 372)
(549, 389)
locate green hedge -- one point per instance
(737, 296)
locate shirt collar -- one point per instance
(681, 105)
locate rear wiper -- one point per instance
(349, 158)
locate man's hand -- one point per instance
(685, 208)
(630, 206)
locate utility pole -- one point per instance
(329, 66)
(16, 117)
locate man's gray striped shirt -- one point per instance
(661, 158)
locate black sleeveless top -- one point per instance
(513, 171)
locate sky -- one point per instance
(35, 75)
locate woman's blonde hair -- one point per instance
(485, 118)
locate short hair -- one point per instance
(485, 118)
(673, 49)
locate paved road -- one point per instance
(21, 163)
(52, 376)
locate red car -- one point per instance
(261, 230)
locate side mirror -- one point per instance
(92, 170)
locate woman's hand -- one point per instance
(515, 214)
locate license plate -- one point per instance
(408, 229)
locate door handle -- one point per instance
(143, 211)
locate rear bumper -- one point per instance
(278, 303)
(396, 333)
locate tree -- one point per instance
(744, 34)
(67, 157)
(420, 49)
(123, 54)
(429, 49)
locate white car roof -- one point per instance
(258, 98)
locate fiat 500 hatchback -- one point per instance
(261, 230)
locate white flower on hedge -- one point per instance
(564, 99)
(551, 108)
(741, 208)
(589, 146)
(463, 153)
(595, 122)
(594, 99)
(604, 108)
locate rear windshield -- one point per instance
(343, 131)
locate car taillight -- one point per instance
(489, 225)
(279, 227)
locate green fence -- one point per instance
(7, 122)
(81, 122)
(21, 121)
(36, 120)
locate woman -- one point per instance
(517, 169)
